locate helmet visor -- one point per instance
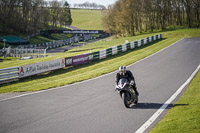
(123, 72)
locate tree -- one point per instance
(30, 16)
(108, 20)
(68, 18)
(196, 8)
(187, 4)
(129, 16)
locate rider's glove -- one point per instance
(132, 82)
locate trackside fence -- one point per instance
(10, 74)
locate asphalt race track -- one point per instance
(93, 106)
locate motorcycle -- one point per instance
(127, 93)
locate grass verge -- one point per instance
(183, 119)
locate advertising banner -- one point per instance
(80, 59)
(81, 31)
(46, 32)
(32, 69)
(69, 61)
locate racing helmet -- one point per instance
(122, 70)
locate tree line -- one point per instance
(88, 5)
(30, 16)
(126, 17)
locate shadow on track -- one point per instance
(155, 105)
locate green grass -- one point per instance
(87, 19)
(39, 39)
(9, 58)
(83, 72)
(185, 118)
(61, 36)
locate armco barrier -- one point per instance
(98, 55)
(9, 74)
(114, 50)
(108, 52)
(14, 73)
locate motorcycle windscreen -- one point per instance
(122, 82)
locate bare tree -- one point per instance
(196, 8)
(187, 4)
(143, 15)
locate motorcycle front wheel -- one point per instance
(126, 99)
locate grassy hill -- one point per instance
(87, 19)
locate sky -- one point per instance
(101, 2)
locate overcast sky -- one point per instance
(101, 2)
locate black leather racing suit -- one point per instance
(129, 76)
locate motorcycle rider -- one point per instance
(123, 73)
